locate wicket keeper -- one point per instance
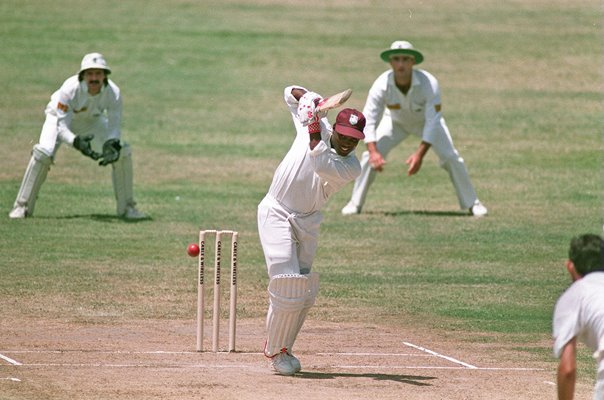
(86, 114)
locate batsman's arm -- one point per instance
(314, 125)
(298, 93)
(315, 139)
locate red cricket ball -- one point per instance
(193, 250)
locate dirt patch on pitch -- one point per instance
(156, 360)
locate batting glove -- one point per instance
(314, 126)
(306, 107)
(82, 143)
(111, 151)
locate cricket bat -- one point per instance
(334, 101)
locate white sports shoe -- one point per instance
(18, 212)
(350, 209)
(295, 363)
(282, 365)
(133, 214)
(478, 210)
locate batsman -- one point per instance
(320, 162)
(85, 112)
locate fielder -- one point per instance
(85, 113)
(319, 163)
(406, 101)
(579, 313)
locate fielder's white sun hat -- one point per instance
(94, 60)
(402, 47)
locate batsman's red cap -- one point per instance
(350, 122)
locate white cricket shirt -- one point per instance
(73, 102)
(306, 178)
(418, 112)
(580, 312)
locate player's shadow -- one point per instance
(406, 379)
(106, 218)
(421, 212)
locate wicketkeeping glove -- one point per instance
(82, 143)
(306, 107)
(111, 151)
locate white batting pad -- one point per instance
(34, 177)
(309, 300)
(287, 293)
(122, 180)
(312, 289)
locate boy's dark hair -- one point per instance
(587, 253)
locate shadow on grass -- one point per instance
(109, 218)
(421, 212)
(407, 379)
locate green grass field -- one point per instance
(202, 85)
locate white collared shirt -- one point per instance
(72, 101)
(305, 178)
(418, 112)
(579, 312)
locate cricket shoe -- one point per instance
(293, 360)
(281, 363)
(351, 209)
(478, 210)
(133, 214)
(18, 212)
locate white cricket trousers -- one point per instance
(390, 135)
(289, 240)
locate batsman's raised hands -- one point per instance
(82, 143)
(307, 107)
(314, 126)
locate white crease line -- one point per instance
(247, 367)
(375, 354)
(430, 354)
(127, 352)
(509, 369)
(10, 379)
(440, 355)
(100, 365)
(432, 367)
(549, 383)
(9, 360)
